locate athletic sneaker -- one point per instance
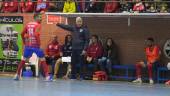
(17, 78)
(48, 78)
(79, 77)
(137, 81)
(151, 81)
(65, 77)
(167, 83)
(54, 78)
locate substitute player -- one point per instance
(152, 52)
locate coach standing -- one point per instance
(80, 34)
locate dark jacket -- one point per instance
(80, 35)
(67, 49)
(126, 7)
(113, 54)
(56, 6)
(94, 7)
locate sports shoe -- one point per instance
(167, 83)
(151, 81)
(48, 78)
(17, 78)
(79, 77)
(54, 77)
(137, 80)
(65, 77)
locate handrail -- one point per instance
(154, 15)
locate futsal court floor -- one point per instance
(38, 87)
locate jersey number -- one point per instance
(31, 31)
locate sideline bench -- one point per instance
(126, 75)
(161, 77)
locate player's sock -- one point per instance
(20, 66)
(150, 71)
(138, 70)
(46, 71)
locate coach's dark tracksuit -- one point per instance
(79, 43)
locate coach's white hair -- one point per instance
(79, 19)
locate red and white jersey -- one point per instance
(138, 7)
(31, 33)
(94, 50)
(53, 49)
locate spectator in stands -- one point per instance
(125, 7)
(80, 34)
(1, 2)
(66, 52)
(69, 6)
(147, 7)
(94, 7)
(109, 58)
(10, 6)
(164, 8)
(27, 6)
(152, 52)
(93, 53)
(53, 53)
(52, 6)
(151, 9)
(138, 7)
(111, 6)
(81, 5)
(42, 6)
(56, 6)
(161, 6)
